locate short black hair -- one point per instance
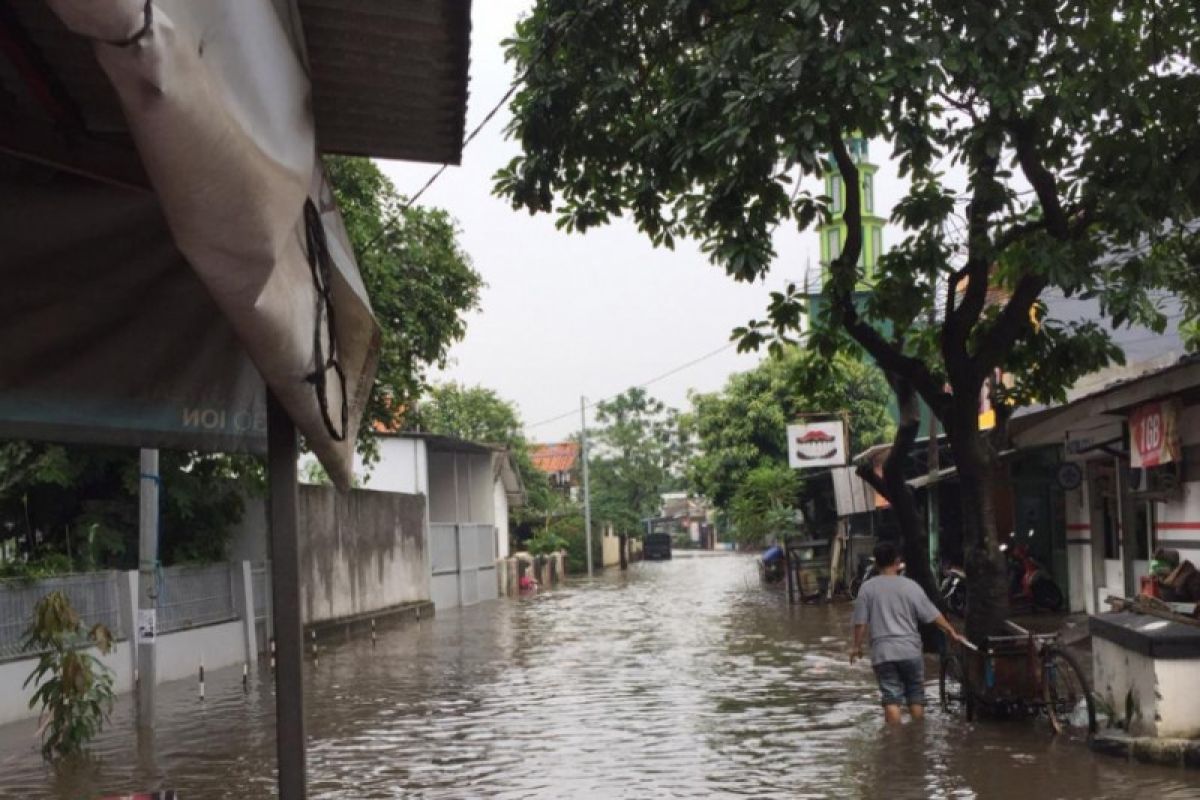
(886, 554)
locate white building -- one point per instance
(470, 488)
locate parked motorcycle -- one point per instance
(953, 590)
(1029, 582)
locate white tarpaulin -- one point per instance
(217, 99)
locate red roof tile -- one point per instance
(557, 457)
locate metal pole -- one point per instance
(285, 595)
(146, 624)
(587, 490)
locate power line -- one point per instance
(551, 43)
(642, 385)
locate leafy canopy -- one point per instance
(1075, 124)
(743, 427)
(420, 281)
(637, 452)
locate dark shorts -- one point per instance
(901, 682)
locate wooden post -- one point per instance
(282, 452)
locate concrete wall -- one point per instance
(1161, 692)
(443, 488)
(14, 700)
(179, 654)
(360, 552)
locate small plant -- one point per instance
(74, 689)
(546, 543)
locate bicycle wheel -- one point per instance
(1066, 691)
(951, 687)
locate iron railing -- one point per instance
(190, 597)
(95, 596)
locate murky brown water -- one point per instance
(680, 679)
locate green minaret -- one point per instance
(833, 233)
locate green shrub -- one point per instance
(74, 689)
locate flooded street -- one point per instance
(678, 679)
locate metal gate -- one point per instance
(464, 564)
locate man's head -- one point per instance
(886, 555)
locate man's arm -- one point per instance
(860, 635)
(948, 629)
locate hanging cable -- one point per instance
(321, 265)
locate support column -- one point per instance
(243, 595)
(146, 625)
(282, 452)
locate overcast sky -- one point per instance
(570, 315)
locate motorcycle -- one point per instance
(953, 590)
(1029, 582)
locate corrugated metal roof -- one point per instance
(389, 77)
(557, 457)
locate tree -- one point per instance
(743, 427)
(765, 503)
(637, 453)
(1075, 124)
(75, 508)
(420, 282)
(479, 414)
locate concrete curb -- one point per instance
(361, 624)
(1148, 750)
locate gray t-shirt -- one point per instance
(891, 606)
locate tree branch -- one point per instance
(844, 276)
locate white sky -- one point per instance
(565, 315)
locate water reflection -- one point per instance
(680, 679)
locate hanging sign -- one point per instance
(817, 444)
(1154, 434)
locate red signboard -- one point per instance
(1154, 434)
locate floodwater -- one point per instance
(677, 679)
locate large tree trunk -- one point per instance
(978, 470)
(623, 550)
(895, 489)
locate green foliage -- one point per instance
(74, 689)
(76, 507)
(638, 451)
(545, 543)
(765, 504)
(743, 427)
(420, 282)
(1074, 123)
(479, 414)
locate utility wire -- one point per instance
(551, 43)
(642, 385)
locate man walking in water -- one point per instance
(890, 606)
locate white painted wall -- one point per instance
(500, 514)
(14, 700)
(1163, 691)
(1179, 523)
(402, 467)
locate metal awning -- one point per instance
(389, 80)
(202, 248)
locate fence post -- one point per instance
(243, 600)
(127, 594)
